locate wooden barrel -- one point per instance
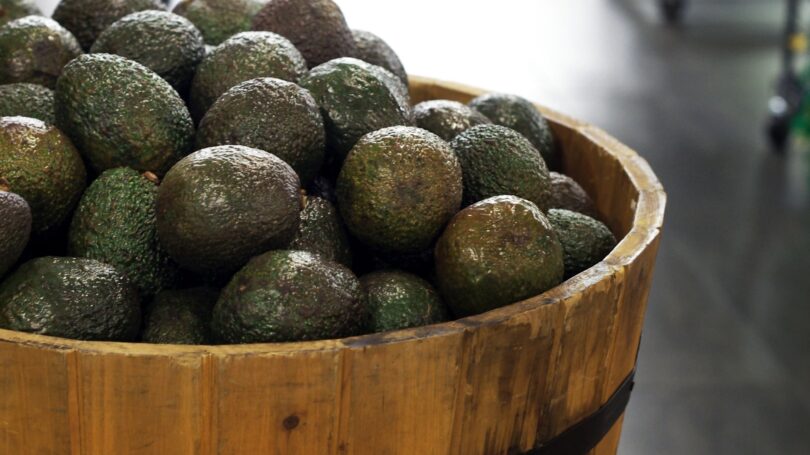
(499, 383)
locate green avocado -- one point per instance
(220, 206)
(398, 300)
(242, 57)
(71, 298)
(585, 241)
(316, 27)
(271, 115)
(372, 49)
(567, 194)
(497, 252)
(86, 19)
(398, 188)
(27, 100)
(446, 118)
(15, 9)
(166, 43)
(289, 296)
(15, 230)
(321, 232)
(35, 49)
(121, 114)
(40, 164)
(218, 20)
(181, 317)
(115, 224)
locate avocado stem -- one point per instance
(151, 177)
(4, 185)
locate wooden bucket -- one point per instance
(498, 383)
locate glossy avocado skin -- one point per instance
(86, 19)
(15, 9)
(166, 43)
(15, 230)
(35, 49)
(271, 115)
(322, 233)
(115, 224)
(218, 20)
(522, 116)
(203, 200)
(496, 160)
(27, 100)
(40, 164)
(446, 118)
(585, 241)
(119, 113)
(289, 296)
(181, 316)
(569, 195)
(74, 298)
(316, 27)
(399, 300)
(242, 57)
(497, 252)
(372, 49)
(398, 188)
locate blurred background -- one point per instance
(724, 365)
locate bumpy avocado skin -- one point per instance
(522, 116)
(86, 19)
(27, 100)
(15, 9)
(356, 98)
(121, 114)
(15, 230)
(218, 20)
(115, 224)
(497, 252)
(41, 165)
(322, 233)
(181, 317)
(398, 188)
(166, 43)
(446, 118)
(242, 57)
(398, 300)
(373, 49)
(271, 115)
(567, 194)
(290, 296)
(316, 27)
(74, 298)
(203, 201)
(35, 49)
(585, 241)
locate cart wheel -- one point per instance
(672, 10)
(778, 130)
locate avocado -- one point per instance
(166, 43)
(398, 300)
(242, 57)
(585, 241)
(316, 27)
(86, 19)
(181, 317)
(120, 113)
(15, 9)
(497, 252)
(218, 20)
(115, 224)
(321, 232)
(398, 188)
(567, 194)
(446, 118)
(40, 164)
(356, 98)
(220, 206)
(372, 49)
(35, 49)
(271, 115)
(15, 230)
(71, 298)
(289, 296)
(27, 100)
(522, 116)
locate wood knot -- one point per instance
(291, 422)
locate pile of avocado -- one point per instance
(248, 171)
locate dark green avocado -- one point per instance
(15, 230)
(121, 114)
(271, 115)
(497, 252)
(27, 100)
(398, 300)
(74, 298)
(372, 49)
(585, 241)
(218, 20)
(567, 194)
(289, 296)
(321, 232)
(166, 43)
(15, 9)
(86, 19)
(181, 317)
(35, 49)
(446, 118)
